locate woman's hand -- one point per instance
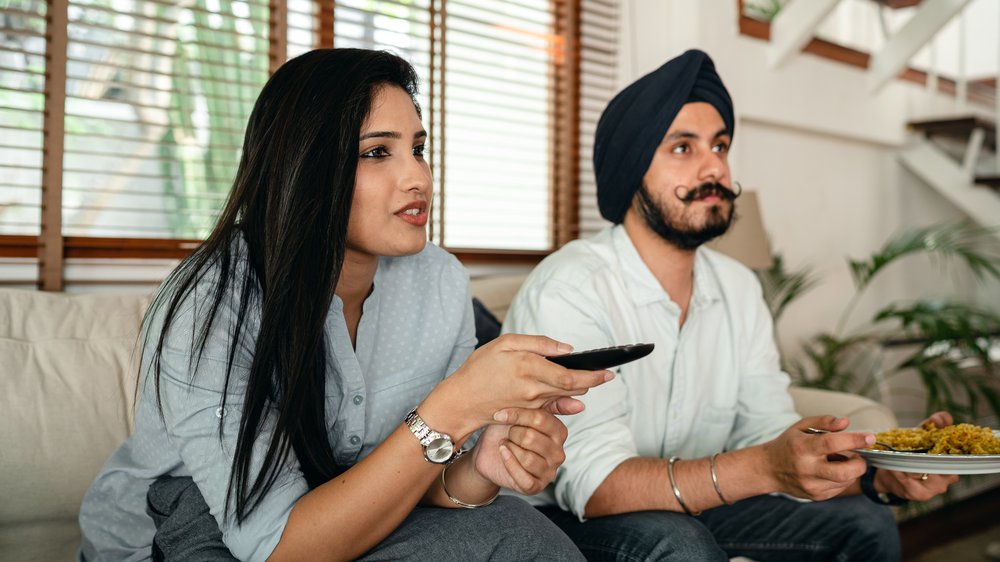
(917, 487)
(523, 450)
(817, 467)
(509, 372)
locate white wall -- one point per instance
(820, 151)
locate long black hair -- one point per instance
(290, 202)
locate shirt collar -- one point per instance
(642, 284)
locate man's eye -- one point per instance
(377, 152)
(721, 147)
(419, 150)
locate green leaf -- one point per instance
(962, 241)
(781, 287)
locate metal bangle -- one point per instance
(715, 479)
(673, 486)
(460, 503)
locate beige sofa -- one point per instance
(67, 386)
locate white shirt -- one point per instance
(713, 385)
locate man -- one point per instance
(659, 459)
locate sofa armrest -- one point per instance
(864, 413)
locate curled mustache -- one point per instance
(704, 190)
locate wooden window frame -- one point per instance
(51, 248)
(852, 57)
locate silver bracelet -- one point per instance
(715, 479)
(461, 503)
(673, 486)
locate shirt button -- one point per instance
(220, 411)
(355, 440)
(358, 399)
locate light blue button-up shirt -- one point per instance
(416, 328)
(712, 385)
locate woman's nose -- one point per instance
(417, 176)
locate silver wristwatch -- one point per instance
(438, 447)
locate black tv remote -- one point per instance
(602, 358)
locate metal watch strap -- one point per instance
(419, 428)
(425, 435)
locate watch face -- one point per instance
(439, 450)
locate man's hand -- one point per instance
(910, 486)
(816, 466)
(917, 487)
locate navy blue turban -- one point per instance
(634, 123)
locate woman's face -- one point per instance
(392, 189)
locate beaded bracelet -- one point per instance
(673, 486)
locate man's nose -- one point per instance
(713, 168)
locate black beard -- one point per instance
(686, 237)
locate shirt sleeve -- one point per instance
(600, 437)
(764, 406)
(192, 392)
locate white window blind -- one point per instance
(157, 93)
(400, 27)
(492, 113)
(302, 18)
(598, 84)
(22, 101)
(498, 105)
(157, 97)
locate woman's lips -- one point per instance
(414, 213)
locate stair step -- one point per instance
(990, 181)
(957, 127)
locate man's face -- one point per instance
(686, 194)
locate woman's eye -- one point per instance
(418, 150)
(377, 152)
(680, 149)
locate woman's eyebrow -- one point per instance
(391, 135)
(381, 134)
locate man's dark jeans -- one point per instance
(764, 528)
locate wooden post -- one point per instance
(326, 21)
(50, 251)
(277, 52)
(565, 143)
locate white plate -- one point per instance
(933, 464)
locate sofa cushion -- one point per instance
(68, 367)
(487, 325)
(496, 291)
(864, 413)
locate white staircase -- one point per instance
(956, 156)
(963, 181)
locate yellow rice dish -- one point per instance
(959, 439)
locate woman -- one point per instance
(282, 357)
